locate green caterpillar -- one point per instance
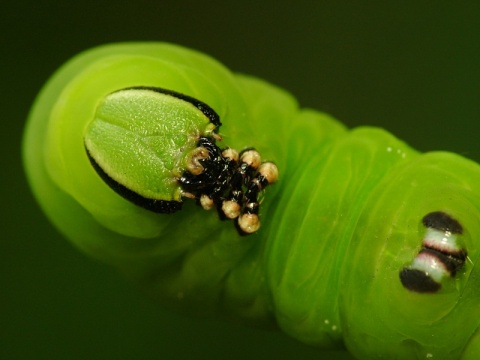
(363, 243)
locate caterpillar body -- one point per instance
(364, 242)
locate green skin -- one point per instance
(342, 221)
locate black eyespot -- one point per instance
(441, 221)
(418, 281)
(439, 257)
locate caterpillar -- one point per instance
(220, 196)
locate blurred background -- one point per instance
(412, 69)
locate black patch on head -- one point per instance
(441, 221)
(225, 179)
(418, 281)
(158, 206)
(214, 178)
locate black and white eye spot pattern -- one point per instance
(439, 257)
(228, 180)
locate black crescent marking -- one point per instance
(200, 105)
(158, 206)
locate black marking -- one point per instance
(418, 281)
(158, 206)
(224, 178)
(200, 105)
(251, 208)
(220, 175)
(452, 261)
(439, 220)
(215, 176)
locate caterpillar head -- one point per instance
(155, 146)
(104, 159)
(140, 120)
(413, 255)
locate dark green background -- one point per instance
(411, 68)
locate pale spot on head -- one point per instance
(231, 209)
(194, 165)
(206, 202)
(249, 223)
(230, 154)
(252, 158)
(269, 171)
